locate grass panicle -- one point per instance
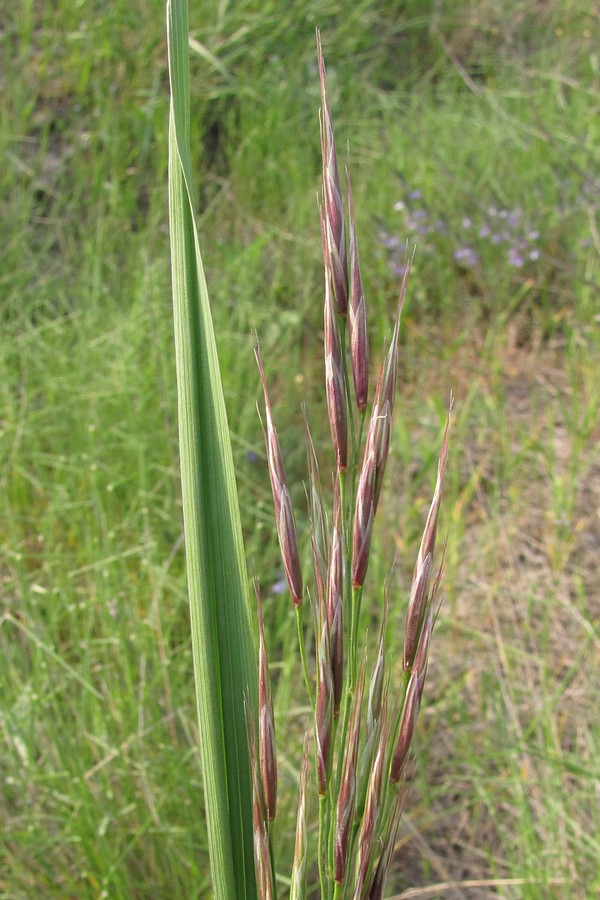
(359, 755)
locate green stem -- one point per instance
(272, 856)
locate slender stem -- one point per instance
(272, 856)
(321, 853)
(303, 657)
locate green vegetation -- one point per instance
(495, 108)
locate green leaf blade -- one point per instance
(224, 666)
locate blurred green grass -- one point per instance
(495, 107)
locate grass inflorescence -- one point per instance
(359, 750)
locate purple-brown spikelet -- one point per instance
(419, 593)
(421, 656)
(377, 677)
(380, 425)
(408, 719)
(284, 518)
(417, 605)
(334, 380)
(318, 533)
(346, 801)
(334, 609)
(323, 708)
(266, 720)
(357, 313)
(430, 531)
(335, 234)
(363, 519)
(262, 848)
(371, 813)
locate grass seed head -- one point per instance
(377, 677)
(334, 381)
(334, 231)
(284, 518)
(262, 849)
(408, 719)
(371, 813)
(266, 720)
(323, 708)
(357, 313)
(335, 606)
(318, 534)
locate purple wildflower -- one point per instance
(466, 256)
(515, 258)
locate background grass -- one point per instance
(494, 107)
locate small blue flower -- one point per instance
(279, 586)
